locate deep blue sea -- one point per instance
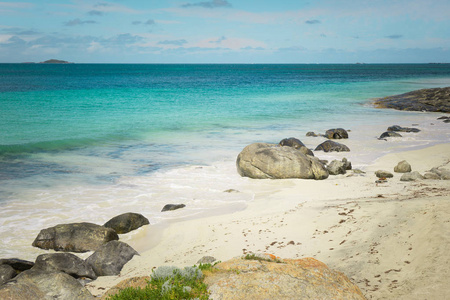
(85, 142)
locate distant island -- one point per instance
(55, 61)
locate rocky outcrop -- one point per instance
(169, 207)
(330, 146)
(402, 167)
(336, 133)
(110, 258)
(289, 279)
(297, 144)
(37, 284)
(127, 222)
(75, 237)
(64, 262)
(262, 161)
(396, 128)
(436, 100)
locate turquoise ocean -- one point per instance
(86, 142)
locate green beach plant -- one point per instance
(167, 283)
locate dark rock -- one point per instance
(6, 273)
(17, 264)
(443, 118)
(75, 237)
(261, 161)
(53, 285)
(110, 258)
(206, 260)
(231, 191)
(411, 176)
(336, 167)
(168, 207)
(64, 262)
(402, 167)
(127, 222)
(389, 134)
(402, 129)
(297, 144)
(347, 164)
(310, 133)
(383, 174)
(336, 133)
(330, 146)
(436, 100)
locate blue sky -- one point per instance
(226, 31)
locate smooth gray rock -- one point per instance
(383, 174)
(127, 222)
(64, 262)
(336, 133)
(411, 176)
(54, 285)
(389, 134)
(336, 167)
(402, 167)
(402, 129)
(6, 273)
(330, 146)
(169, 207)
(262, 161)
(75, 237)
(110, 258)
(430, 175)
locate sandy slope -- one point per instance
(392, 239)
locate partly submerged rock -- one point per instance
(261, 161)
(169, 207)
(389, 134)
(110, 258)
(402, 129)
(127, 222)
(330, 146)
(305, 278)
(75, 237)
(336, 133)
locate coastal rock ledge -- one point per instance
(433, 100)
(262, 161)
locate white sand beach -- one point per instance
(391, 239)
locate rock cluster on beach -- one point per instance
(433, 100)
(60, 275)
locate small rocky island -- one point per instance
(431, 100)
(55, 61)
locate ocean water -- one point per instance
(86, 142)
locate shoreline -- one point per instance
(352, 224)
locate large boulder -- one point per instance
(127, 222)
(64, 262)
(402, 167)
(46, 285)
(261, 161)
(336, 133)
(332, 146)
(75, 237)
(110, 258)
(289, 279)
(297, 144)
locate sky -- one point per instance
(225, 31)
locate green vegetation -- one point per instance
(169, 282)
